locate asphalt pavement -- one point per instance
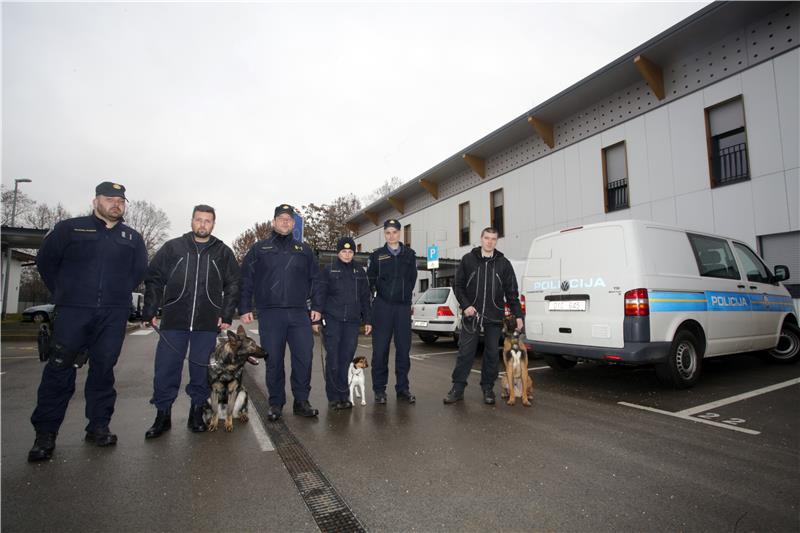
(601, 449)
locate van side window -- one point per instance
(753, 267)
(714, 257)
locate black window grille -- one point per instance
(617, 194)
(730, 163)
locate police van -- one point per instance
(636, 292)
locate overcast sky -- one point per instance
(244, 106)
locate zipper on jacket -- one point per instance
(485, 277)
(194, 296)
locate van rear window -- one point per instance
(714, 257)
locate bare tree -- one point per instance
(23, 206)
(250, 236)
(388, 186)
(324, 224)
(150, 221)
(42, 216)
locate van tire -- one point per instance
(428, 338)
(788, 349)
(682, 368)
(558, 362)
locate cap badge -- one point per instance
(284, 207)
(347, 245)
(117, 186)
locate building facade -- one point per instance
(697, 128)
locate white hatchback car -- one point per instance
(436, 314)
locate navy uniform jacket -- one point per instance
(344, 289)
(85, 264)
(280, 272)
(393, 277)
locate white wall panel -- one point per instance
(695, 211)
(592, 200)
(787, 82)
(543, 192)
(793, 196)
(659, 155)
(722, 91)
(688, 141)
(733, 212)
(572, 165)
(761, 120)
(664, 211)
(770, 204)
(636, 153)
(612, 136)
(559, 187)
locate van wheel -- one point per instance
(788, 349)
(557, 362)
(428, 338)
(682, 367)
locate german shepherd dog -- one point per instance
(228, 396)
(516, 382)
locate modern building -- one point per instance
(698, 127)
(13, 259)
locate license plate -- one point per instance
(568, 305)
(420, 324)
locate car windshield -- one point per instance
(434, 296)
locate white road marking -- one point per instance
(437, 353)
(417, 358)
(261, 435)
(691, 418)
(253, 331)
(529, 370)
(365, 346)
(739, 397)
(147, 331)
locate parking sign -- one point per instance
(433, 257)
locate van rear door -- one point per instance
(575, 282)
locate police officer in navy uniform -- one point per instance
(392, 274)
(281, 273)
(90, 265)
(344, 289)
(195, 277)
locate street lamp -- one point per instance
(8, 251)
(14, 202)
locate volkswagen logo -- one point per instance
(565, 285)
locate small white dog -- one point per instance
(355, 379)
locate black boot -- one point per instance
(163, 423)
(453, 396)
(303, 408)
(101, 437)
(43, 447)
(274, 413)
(196, 423)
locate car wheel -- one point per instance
(40, 317)
(788, 349)
(428, 338)
(681, 370)
(558, 362)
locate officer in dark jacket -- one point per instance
(344, 290)
(91, 265)
(281, 273)
(195, 279)
(485, 281)
(392, 274)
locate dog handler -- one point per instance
(281, 273)
(195, 280)
(392, 274)
(90, 265)
(485, 281)
(344, 291)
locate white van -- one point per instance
(636, 292)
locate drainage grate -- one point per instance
(326, 505)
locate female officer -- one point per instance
(344, 288)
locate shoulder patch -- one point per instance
(384, 256)
(85, 230)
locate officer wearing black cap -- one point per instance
(344, 289)
(392, 273)
(280, 273)
(91, 265)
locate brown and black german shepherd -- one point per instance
(225, 368)
(517, 381)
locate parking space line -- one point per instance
(503, 373)
(739, 397)
(436, 353)
(261, 434)
(691, 418)
(253, 331)
(147, 331)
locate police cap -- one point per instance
(110, 189)
(392, 223)
(345, 243)
(284, 208)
